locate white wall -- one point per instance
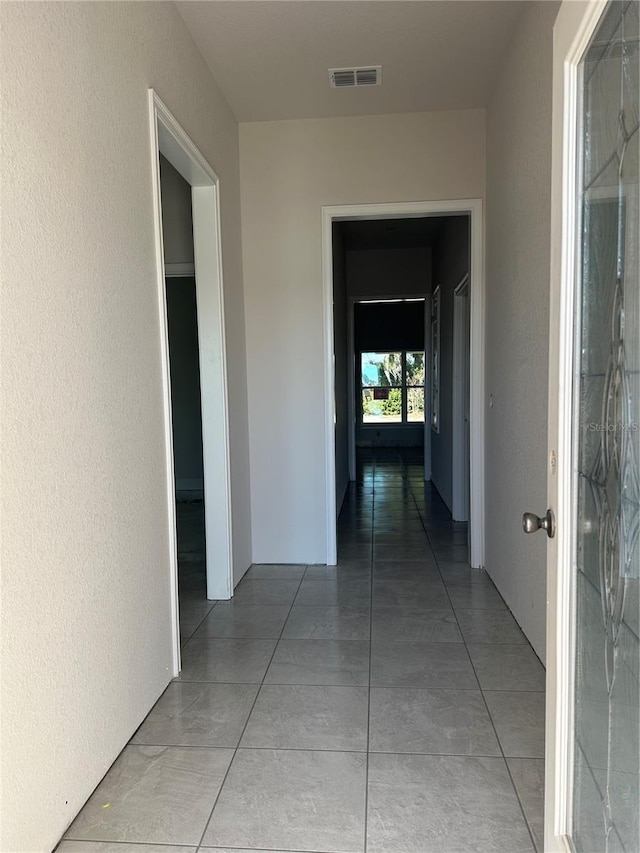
(289, 169)
(177, 220)
(451, 257)
(518, 240)
(86, 641)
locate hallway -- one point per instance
(389, 705)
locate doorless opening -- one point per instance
(421, 210)
(170, 140)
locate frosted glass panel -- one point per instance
(606, 794)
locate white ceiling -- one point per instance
(270, 57)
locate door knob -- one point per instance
(532, 522)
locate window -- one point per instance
(392, 387)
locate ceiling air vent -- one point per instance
(342, 78)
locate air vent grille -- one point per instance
(342, 78)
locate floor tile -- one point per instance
(476, 597)
(442, 533)
(489, 626)
(290, 800)
(266, 592)
(428, 594)
(528, 777)
(229, 619)
(502, 667)
(159, 795)
(202, 714)
(421, 665)
(451, 722)
(414, 539)
(453, 574)
(433, 804)
(415, 624)
(354, 570)
(297, 783)
(397, 526)
(119, 847)
(331, 662)
(451, 553)
(236, 661)
(355, 593)
(519, 721)
(406, 553)
(350, 551)
(192, 613)
(307, 717)
(327, 623)
(275, 572)
(384, 570)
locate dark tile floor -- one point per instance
(390, 704)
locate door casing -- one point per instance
(168, 138)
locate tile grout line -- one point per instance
(324, 749)
(244, 728)
(199, 625)
(482, 692)
(367, 759)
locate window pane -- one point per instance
(381, 405)
(415, 405)
(383, 369)
(415, 368)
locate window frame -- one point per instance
(404, 389)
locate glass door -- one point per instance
(605, 799)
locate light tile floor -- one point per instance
(389, 705)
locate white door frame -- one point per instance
(461, 391)
(168, 138)
(403, 210)
(573, 29)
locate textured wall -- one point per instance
(86, 641)
(518, 245)
(289, 169)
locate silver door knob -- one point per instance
(532, 522)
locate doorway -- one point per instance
(169, 140)
(414, 210)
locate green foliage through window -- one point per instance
(392, 387)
